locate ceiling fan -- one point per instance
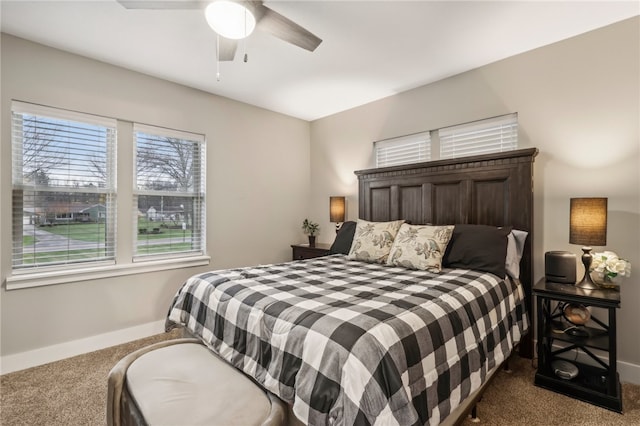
(265, 19)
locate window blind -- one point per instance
(169, 200)
(480, 137)
(403, 150)
(64, 186)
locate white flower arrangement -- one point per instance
(610, 265)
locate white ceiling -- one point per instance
(370, 49)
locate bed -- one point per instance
(350, 339)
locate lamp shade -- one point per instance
(336, 209)
(588, 221)
(230, 19)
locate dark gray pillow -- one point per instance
(342, 243)
(479, 247)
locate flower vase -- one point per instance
(611, 282)
(597, 277)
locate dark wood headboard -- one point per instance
(494, 189)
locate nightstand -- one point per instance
(304, 251)
(597, 382)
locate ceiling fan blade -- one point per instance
(160, 4)
(227, 49)
(285, 29)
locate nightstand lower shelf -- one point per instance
(591, 385)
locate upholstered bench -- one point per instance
(181, 382)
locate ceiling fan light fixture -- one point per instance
(230, 19)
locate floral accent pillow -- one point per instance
(420, 247)
(373, 240)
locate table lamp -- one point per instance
(336, 211)
(588, 227)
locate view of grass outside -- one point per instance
(89, 232)
(178, 240)
(60, 256)
(149, 229)
(83, 232)
(164, 248)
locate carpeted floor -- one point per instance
(69, 392)
(512, 400)
(73, 392)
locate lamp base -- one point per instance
(587, 283)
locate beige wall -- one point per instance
(257, 189)
(578, 103)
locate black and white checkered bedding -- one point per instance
(348, 342)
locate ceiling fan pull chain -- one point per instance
(244, 41)
(217, 57)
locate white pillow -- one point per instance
(420, 247)
(515, 249)
(373, 240)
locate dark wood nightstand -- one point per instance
(304, 251)
(597, 382)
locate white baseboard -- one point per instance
(629, 373)
(28, 359)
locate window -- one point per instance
(168, 205)
(64, 187)
(479, 137)
(403, 150)
(64, 170)
(496, 134)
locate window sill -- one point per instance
(38, 279)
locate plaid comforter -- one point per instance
(348, 342)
